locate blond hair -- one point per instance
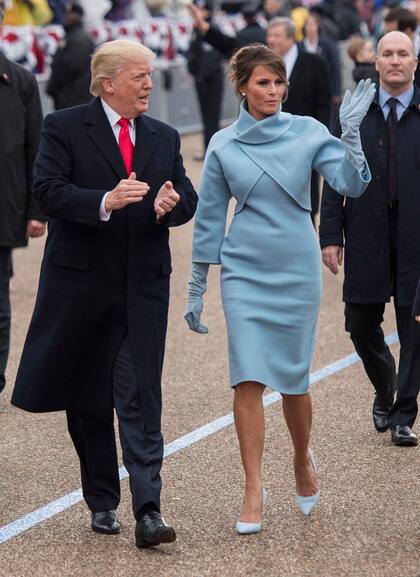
(111, 57)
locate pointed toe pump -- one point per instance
(249, 528)
(307, 504)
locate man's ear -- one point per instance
(107, 85)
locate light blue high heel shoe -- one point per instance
(307, 504)
(249, 528)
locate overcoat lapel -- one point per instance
(146, 142)
(100, 132)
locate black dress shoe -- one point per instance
(380, 414)
(381, 408)
(403, 436)
(151, 530)
(106, 522)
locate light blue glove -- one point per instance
(353, 109)
(197, 286)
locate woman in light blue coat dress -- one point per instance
(270, 257)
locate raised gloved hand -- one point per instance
(196, 288)
(353, 109)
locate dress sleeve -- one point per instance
(332, 162)
(210, 220)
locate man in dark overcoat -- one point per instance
(112, 181)
(381, 234)
(20, 218)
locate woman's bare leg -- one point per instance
(297, 411)
(248, 411)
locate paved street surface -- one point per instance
(367, 523)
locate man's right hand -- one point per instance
(128, 191)
(332, 257)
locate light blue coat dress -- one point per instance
(270, 257)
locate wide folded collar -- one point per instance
(249, 130)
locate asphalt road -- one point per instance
(367, 523)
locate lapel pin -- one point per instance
(5, 77)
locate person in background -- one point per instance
(379, 236)
(27, 13)
(299, 15)
(270, 257)
(274, 8)
(405, 21)
(361, 51)
(252, 32)
(121, 10)
(58, 8)
(20, 217)
(318, 43)
(205, 64)
(69, 82)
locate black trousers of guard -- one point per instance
(94, 441)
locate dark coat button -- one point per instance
(378, 178)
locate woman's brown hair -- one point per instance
(246, 59)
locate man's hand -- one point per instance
(197, 14)
(167, 198)
(417, 318)
(332, 257)
(35, 228)
(128, 191)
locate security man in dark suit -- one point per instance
(111, 180)
(20, 217)
(382, 240)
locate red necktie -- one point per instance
(125, 144)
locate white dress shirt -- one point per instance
(113, 118)
(290, 59)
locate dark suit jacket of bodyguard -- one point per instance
(362, 223)
(100, 279)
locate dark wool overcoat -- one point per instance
(100, 280)
(20, 129)
(362, 223)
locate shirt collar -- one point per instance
(113, 117)
(404, 99)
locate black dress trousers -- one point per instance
(363, 322)
(142, 451)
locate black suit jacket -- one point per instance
(100, 279)
(309, 88)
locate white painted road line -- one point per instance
(51, 509)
